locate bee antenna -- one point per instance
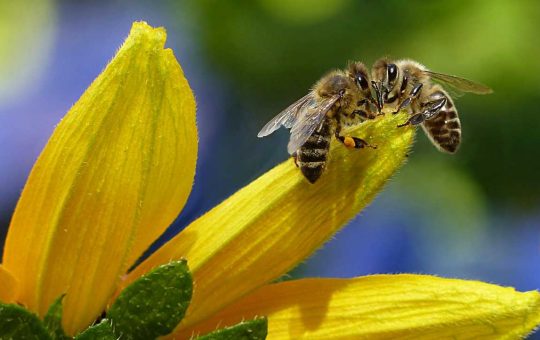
(379, 93)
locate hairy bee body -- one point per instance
(352, 96)
(339, 98)
(312, 156)
(444, 129)
(407, 84)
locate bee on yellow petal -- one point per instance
(342, 97)
(408, 85)
(349, 97)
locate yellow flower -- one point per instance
(113, 176)
(118, 170)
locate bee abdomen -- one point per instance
(312, 156)
(307, 155)
(445, 130)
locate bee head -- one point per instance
(358, 73)
(384, 74)
(335, 84)
(391, 76)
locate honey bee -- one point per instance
(342, 97)
(406, 84)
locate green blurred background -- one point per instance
(472, 215)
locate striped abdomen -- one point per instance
(312, 156)
(444, 129)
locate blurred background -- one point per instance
(474, 215)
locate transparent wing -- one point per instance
(459, 84)
(310, 117)
(285, 117)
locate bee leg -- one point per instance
(359, 143)
(347, 141)
(370, 105)
(414, 94)
(414, 120)
(295, 158)
(351, 142)
(433, 109)
(354, 142)
(363, 114)
(379, 93)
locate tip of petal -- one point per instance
(141, 30)
(383, 307)
(119, 166)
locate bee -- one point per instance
(406, 84)
(342, 97)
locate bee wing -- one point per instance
(309, 118)
(459, 84)
(285, 117)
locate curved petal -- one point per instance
(266, 228)
(384, 307)
(115, 173)
(8, 286)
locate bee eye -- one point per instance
(361, 81)
(392, 72)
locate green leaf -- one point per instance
(19, 323)
(247, 330)
(101, 331)
(53, 320)
(154, 304)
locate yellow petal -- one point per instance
(8, 286)
(384, 307)
(115, 173)
(266, 228)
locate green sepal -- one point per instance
(154, 304)
(101, 331)
(19, 323)
(256, 329)
(53, 320)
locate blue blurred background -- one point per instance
(474, 215)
